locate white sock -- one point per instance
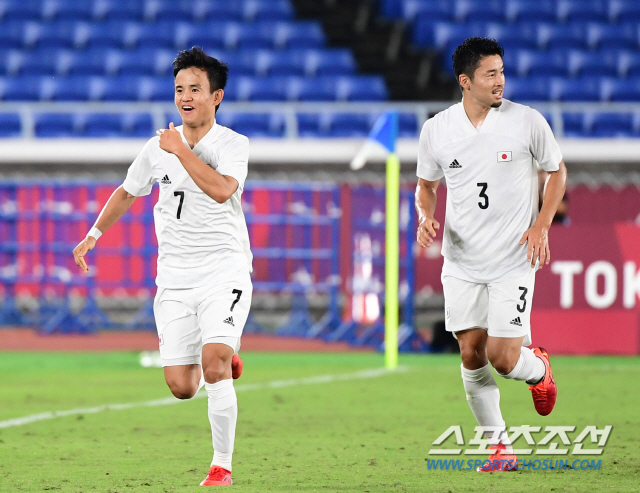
(223, 414)
(483, 397)
(529, 367)
(202, 382)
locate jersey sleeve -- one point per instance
(428, 168)
(234, 159)
(544, 147)
(140, 180)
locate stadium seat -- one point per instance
(585, 63)
(254, 124)
(531, 10)
(475, 11)
(431, 10)
(119, 10)
(621, 89)
(527, 89)
(582, 89)
(629, 64)
(170, 10)
(97, 61)
(350, 125)
(583, 10)
(155, 34)
(11, 34)
(10, 125)
(121, 88)
(137, 125)
(100, 125)
(329, 62)
(286, 62)
(361, 88)
(408, 125)
(560, 36)
(262, 89)
(613, 36)
(268, 10)
(21, 10)
(100, 35)
(158, 89)
(612, 125)
(218, 10)
(54, 125)
(39, 62)
(308, 89)
(391, 9)
(313, 124)
(624, 10)
(441, 34)
(141, 61)
(251, 35)
(11, 62)
(522, 36)
(49, 34)
(74, 88)
(213, 35)
(533, 63)
(302, 34)
(573, 125)
(67, 10)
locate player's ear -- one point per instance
(218, 95)
(463, 80)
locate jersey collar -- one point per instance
(208, 137)
(486, 126)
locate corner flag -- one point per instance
(385, 133)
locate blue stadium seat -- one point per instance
(119, 10)
(407, 125)
(613, 36)
(67, 10)
(362, 88)
(173, 117)
(162, 34)
(74, 88)
(573, 125)
(313, 124)
(39, 62)
(262, 89)
(475, 11)
(213, 34)
(100, 35)
(158, 89)
(442, 34)
(534, 63)
(612, 125)
(330, 62)
(350, 125)
(527, 89)
(171, 10)
(10, 125)
(317, 89)
(622, 89)
(254, 124)
(138, 62)
(268, 10)
(11, 62)
(585, 63)
(218, 10)
(21, 10)
(391, 9)
(629, 64)
(523, 35)
(11, 34)
(302, 34)
(583, 10)
(429, 10)
(26, 88)
(54, 125)
(510, 60)
(97, 61)
(50, 34)
(251, 35)
(287, 62)
(531, 10)
(562, 36)
(121, 88)
(582, 89)
(624, 10)
(137, 125)
(100, 125)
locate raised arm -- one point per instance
(426, 200)
(119, 203)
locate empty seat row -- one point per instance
(513, 10)
(154, 61)
(578, 89)
(169, 34)
(141, 88)
(147, 10)
(530, 34)
(601, 124)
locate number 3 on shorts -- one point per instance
(522, 308)
(238, 293)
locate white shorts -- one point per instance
(503, 308)
(189, 318)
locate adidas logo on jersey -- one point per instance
(516, 321)
(165, 180)
(229, 321)
(455, 164)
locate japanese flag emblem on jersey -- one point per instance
(504, 156)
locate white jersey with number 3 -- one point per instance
(200, 241)
(492, 185)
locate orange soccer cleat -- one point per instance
(500, 460)
(236, 366)
(545, 391)
(217, 477)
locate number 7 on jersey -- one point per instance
(181, 195)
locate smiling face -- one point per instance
(194, 100)
(487, 85)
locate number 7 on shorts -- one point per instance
(238, 292)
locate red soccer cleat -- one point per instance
(545, 391)
(217, 477)
(500, 461)
(236, 366)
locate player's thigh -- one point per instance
(510, 307)
(179, 335)
(466, 304)
(223, 312)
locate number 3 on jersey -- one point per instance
(483, 195)
(181, 195)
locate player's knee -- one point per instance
(182, 390)
(503, 365)
(216, 372)
(472, 357)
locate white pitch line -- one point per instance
(275, 384)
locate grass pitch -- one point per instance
(355, 434)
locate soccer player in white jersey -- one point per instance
(486, 148)
(204, 260)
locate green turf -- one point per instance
(352, 435)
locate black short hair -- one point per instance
(469, 54)
(217, 71)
